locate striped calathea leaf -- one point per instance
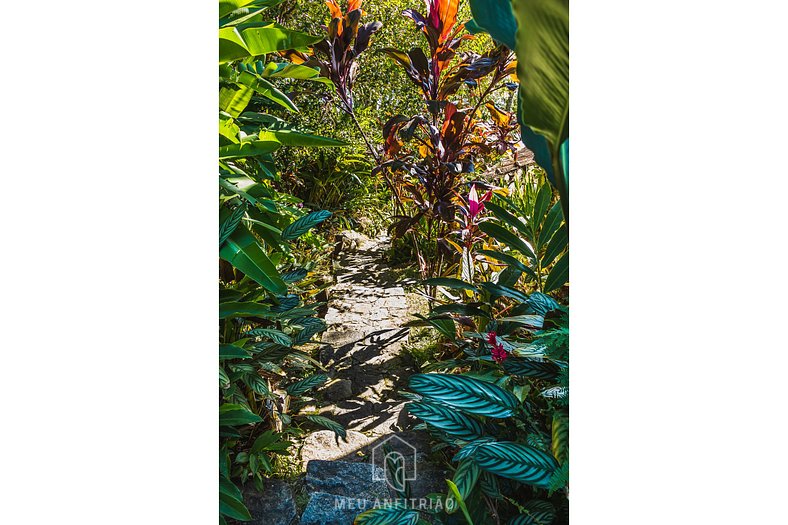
(469, 395)
(387, 516)
(447, 420)
(517, 462)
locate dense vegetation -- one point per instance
(327, 114)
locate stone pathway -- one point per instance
(364, 356)
(366, 310)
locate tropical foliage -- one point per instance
(264, 322)
(410, 149)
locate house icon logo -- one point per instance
(396, 459)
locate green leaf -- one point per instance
(243, 309)
(243, 251)
(558, 275)
(231, 501)
(556, 245)
(251, 148)
(234, 99)
(305, 385)
(543, 69)
(269, 333)
(227, 351)
(541, 304)
(507, 217)
(235, 43)
(550, 224)
(447, 420)
(387, 516)
(311, 326)
(496, 17)
(461, 309)
(266, 89)
(510, 260)
(451, 283)
(231, 415)
(506, 237)
(560, 434)
(515, 461)
(540, 369)
(339, 430)
(456, 492)
(297, 138)
(537, 512)
(304, 224)
(464, 393)
(228, 226)
(465, 478)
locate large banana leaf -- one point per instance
(466, 394)
(236, 43)
(543, 70)
(515, 461)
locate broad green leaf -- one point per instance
(249, 149)
(296, 138)
(506, 237)
(243, 309)
(244, 252)
(266, 89)
(466, 394)
(231, 45)
(232, 415)
(447, 420)
(234, 99)
(558, 275)
(543, 69)
(227, 351)
(273, 37)
(304, 224)
(497, 290)
(515, 461)
(286, 70)
(496, 18)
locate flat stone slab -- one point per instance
(322, 445)
(342, 478)
(273, 506)
(330, 509)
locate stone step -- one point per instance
(274, 505)
(342, 478)
(330, 509)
